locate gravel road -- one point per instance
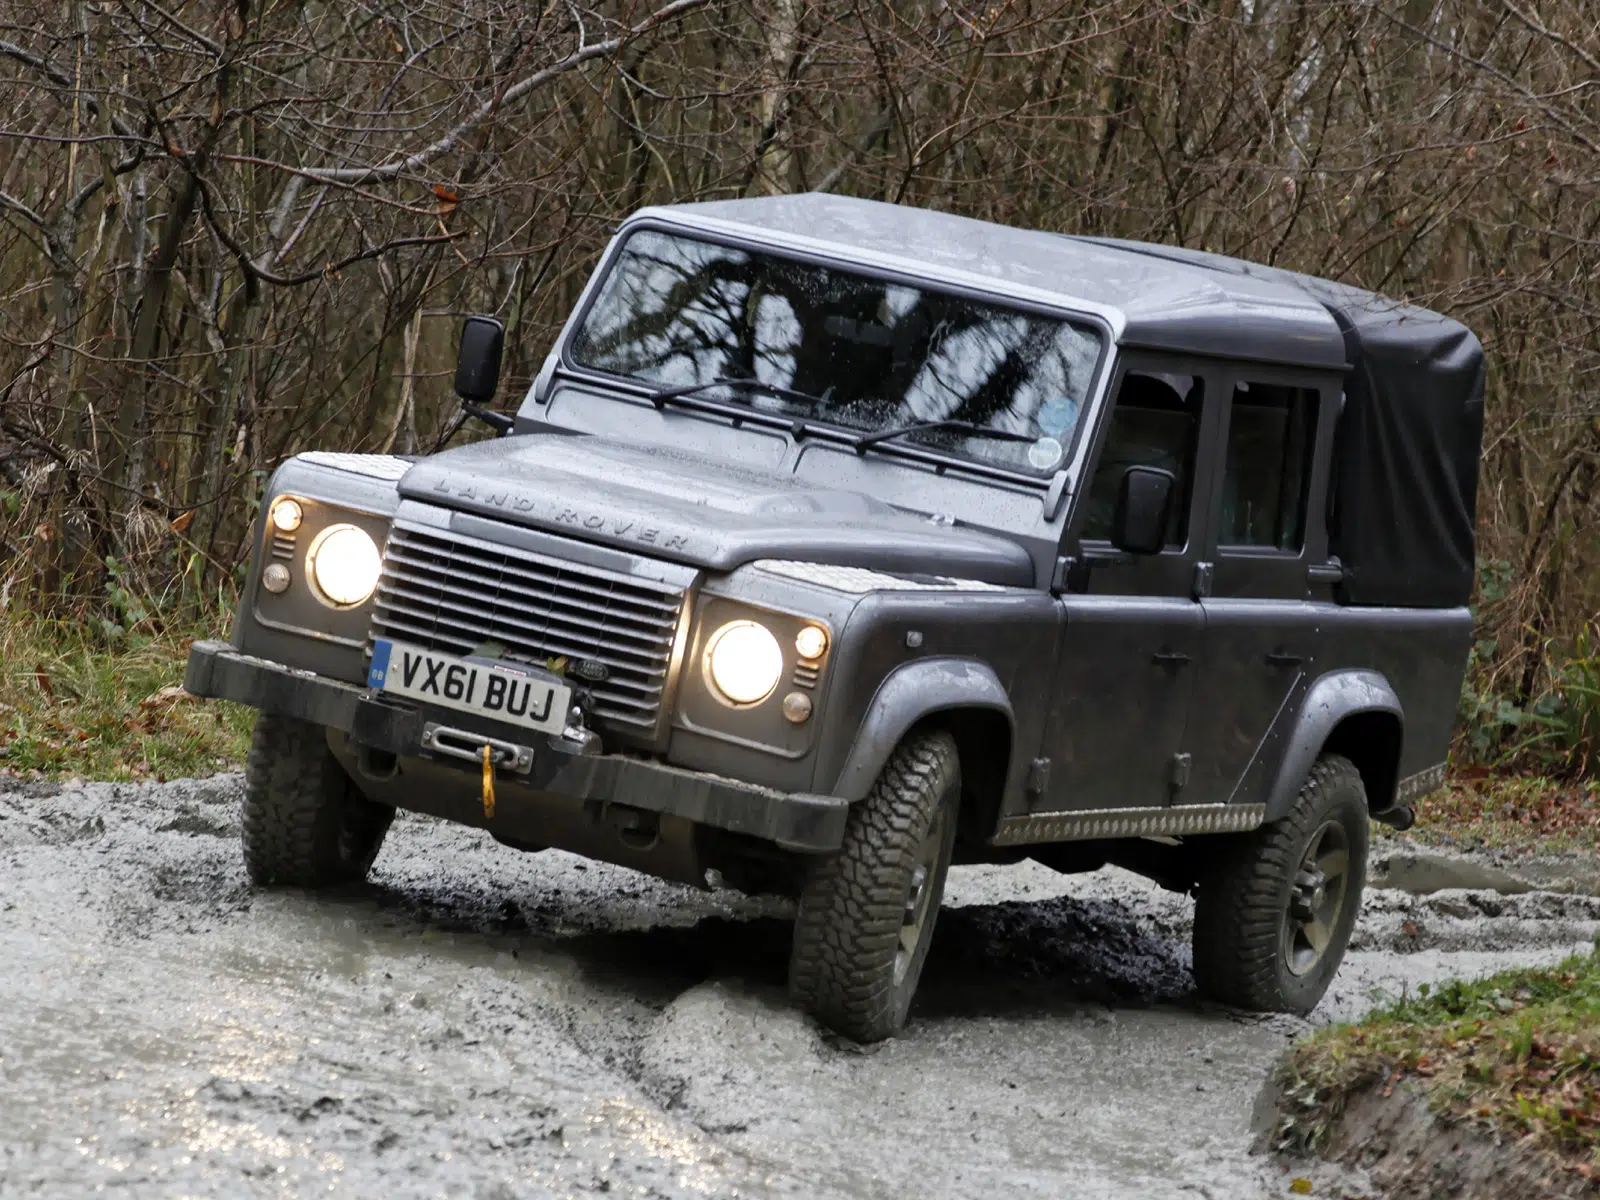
(479, 1022)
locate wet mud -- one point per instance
(480, 1022)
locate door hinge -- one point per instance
(1202, 580)
(1038, 777)
(1062, 573)
(1331, 571)
(1178, 771)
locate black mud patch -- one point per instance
(1007, 959)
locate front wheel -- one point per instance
(1272, 920)
(866, 914)
(305, 823)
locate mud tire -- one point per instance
(849, 967)
(1244, 902)
(305, 823)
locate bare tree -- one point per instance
(231, 232)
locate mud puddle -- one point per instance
(477, 1022)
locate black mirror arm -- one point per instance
(498, 422)
(1072, 571)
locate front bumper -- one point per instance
(795, 821)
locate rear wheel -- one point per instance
(866, 915)
(305, 823)
(1273, 918)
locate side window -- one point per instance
(1271, 434)
(1155, 423)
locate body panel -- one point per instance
(634, 496)
(1008, 636)
(1422, 655)
(1259, 656)
(1120, 701)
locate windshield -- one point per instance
(877, 355)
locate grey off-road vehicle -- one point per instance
(836, 542)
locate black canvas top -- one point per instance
(1403, 510)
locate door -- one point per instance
(1133, 629)
(1264, 610)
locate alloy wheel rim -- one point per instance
(1316, 899)
(919, 897)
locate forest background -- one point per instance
(233, 231)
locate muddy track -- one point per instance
(481, 1022)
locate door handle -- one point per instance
(1170, 658)
(1282, 658)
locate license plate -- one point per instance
(500, 693)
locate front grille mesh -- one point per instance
(448, 593)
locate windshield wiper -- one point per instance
(667, 395)
(864, 443)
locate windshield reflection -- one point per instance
(677, 311)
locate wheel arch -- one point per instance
(1353, 713)
(965, 698)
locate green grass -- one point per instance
(1518, 1052)
(74, 705)
(1511, 812)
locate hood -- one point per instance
(711, 513)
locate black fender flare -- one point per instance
(909, 694)
(1331, 699)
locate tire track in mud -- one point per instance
(477, 1021)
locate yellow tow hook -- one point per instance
(488, 783)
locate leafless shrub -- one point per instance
(231, 232)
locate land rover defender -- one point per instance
(837, 542)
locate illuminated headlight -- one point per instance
(744, 662)
(811, 642)
(287, 513)
(343, 564)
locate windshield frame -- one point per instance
(819, 428)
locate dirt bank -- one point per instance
(1412, 1154)
(482, 1022)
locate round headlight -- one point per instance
(287, 513)
(811, 641)
(744, 662)
(343, 564)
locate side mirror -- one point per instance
(483, 340)
(1144, 502)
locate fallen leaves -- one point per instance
(1495, 808)
(165, 698)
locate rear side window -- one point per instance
(1271, 431)
(1155, 423)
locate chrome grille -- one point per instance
(446, 592)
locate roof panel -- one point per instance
(1153, 301)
